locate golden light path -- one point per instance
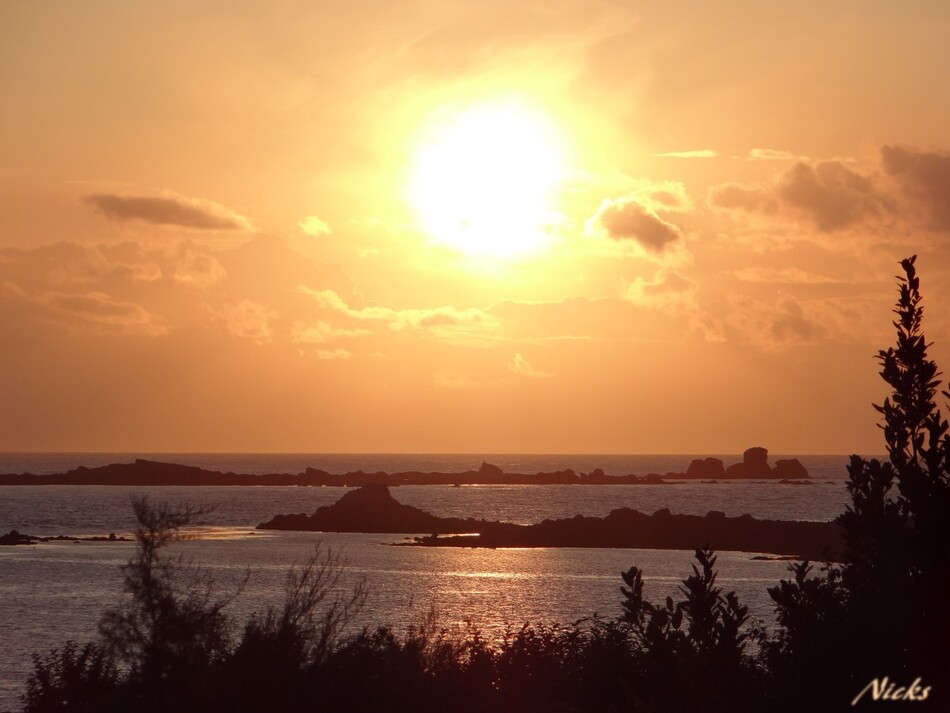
(483, 179)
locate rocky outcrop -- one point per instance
(146, 472)
(790, 469)
(373, 509)
(755, 464)
(15, 538)
(706, 468)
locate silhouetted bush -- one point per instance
(81, 680)
(885, 612)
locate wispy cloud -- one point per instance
(313, 226)
(167, 209)
(522, 367)
(99, 308)
(699, 153)
(442, 320)
(322, 333)
(783, 276)
(452, 381)
(773, 155)
(333, 354)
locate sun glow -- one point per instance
(483, 179)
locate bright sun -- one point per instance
(483, 179)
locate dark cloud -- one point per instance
(102, 309)
(791, 324)
(668, 282)
(626, 219)
(925, 177)
(828, 194)
(167, 210)
(831, 195)
(772, 326)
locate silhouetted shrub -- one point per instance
(700, 639)
(885, 612)
(80, 680)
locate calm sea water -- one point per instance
(56, 591)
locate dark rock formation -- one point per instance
(373, 509)
(790, 469)
(146, 472)
(706, 468)
(15, 538)
(487, 469)
(755, 464)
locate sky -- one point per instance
(428, 226)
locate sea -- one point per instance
(56, 591)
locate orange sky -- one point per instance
(475, 227)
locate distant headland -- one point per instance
(372, 508)
(754, 465)
(18, 538)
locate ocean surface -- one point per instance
(57, 590)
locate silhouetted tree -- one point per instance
(173, 630)
(885, 612)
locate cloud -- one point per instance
(783, 276)
(461, 382)
(193, 267)
(95, 265)
(831, 195)
(167, 210)
(774, 155)
(700, 153)
(99, 308)
(924, 177)
(790, 322)
(666, 284)
(322, 333)
(313, 226)
(828, 195)
(440, 320)
(772, 326)
(249, 320)
(522, 367)
(628, 219)
(675, 295)
(667, 196)
(732, 196)
(333, 354)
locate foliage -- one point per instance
(700, 638)
(885, 610)
(79, 680)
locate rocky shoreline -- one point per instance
(373, 509)
(754, 465)
(13, 537)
